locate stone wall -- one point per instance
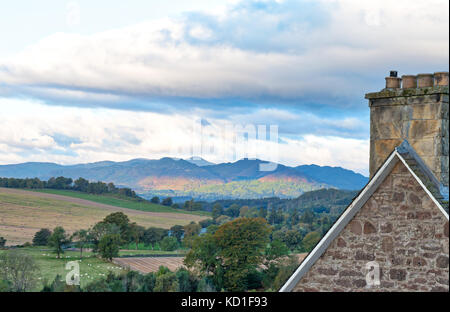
(418, 115)
(399, 227)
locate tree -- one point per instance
(169, 243)
(262, 213)
(166, 282)
(111, 188)
(147, 282)
(241, 243)
(41, 237)
(153, 235)
(276, 250)
(177, 231)
(19, 269)
(81, 237)
(292, 238)
(81, 185)
(217, 210)
(155, 200)
(231, 253)
(136, 232)
(167, 201)
(2, 242)
(122, 221)
(203, 255)
(272, 216)
(223, 219)
(243, 211)
(310, 240)
(233, 211)
(294, 217)
(60, 183)
(307, 217)
(57, 240)
(284, 272)
(191, 230)
(189, 205)
(197, 206)
(109, 246)
(186, 281)
(101, 229)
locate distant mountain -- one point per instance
(198, 178)
(199, 161)
(335, 176)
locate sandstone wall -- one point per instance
(419, 115)
(399, 227)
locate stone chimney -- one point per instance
(415, 108)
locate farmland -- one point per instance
(23, 213)
(149, 264)
(119, 202)
(49, 266)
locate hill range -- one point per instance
(197, 178)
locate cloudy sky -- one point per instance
(84, 81)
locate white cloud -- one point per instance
(249, 53)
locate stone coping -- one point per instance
(392, 93)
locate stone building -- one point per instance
(394, 235)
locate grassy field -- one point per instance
(121, 202)
(23, 214)
(91, 267)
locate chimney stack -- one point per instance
(413, 108)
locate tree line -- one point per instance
(62, 183)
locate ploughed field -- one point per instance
(149, 264)
(23, 213)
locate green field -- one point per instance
(121, 202)
(91, 267)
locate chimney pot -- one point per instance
(409, 81)
(424, 80)
(441, 79)
(392, 82)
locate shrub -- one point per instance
(41, 237)
(166, 283)
(19, 269)
(167, 201)
(155, 200)
(186, 281)
(169, 243)
(2, 242)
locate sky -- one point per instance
(84, 81)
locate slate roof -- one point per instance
(404, 153)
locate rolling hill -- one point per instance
(198, 178)
(23, 213)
